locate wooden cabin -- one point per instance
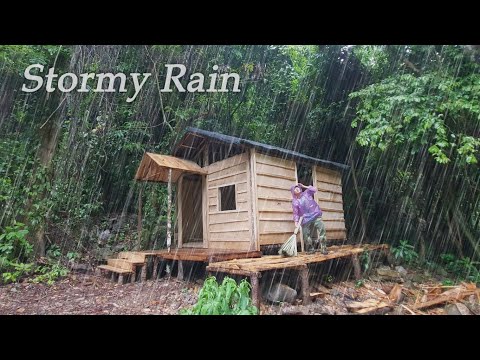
(234, 194)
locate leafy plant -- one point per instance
(13, 242)
(14, 250)
(73, 255)
(447, 282)
(464, 268)
(54, 251)
(359, 283)
(405, 252)
(20, 269)
(225, 299)
(365, 260)
(49, 273)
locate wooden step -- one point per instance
(114, 269)
(121, 263)
(134, 257)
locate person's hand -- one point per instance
(296, 224)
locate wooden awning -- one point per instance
(154, 167)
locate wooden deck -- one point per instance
(203, 255)
(254, 267)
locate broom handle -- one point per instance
(299, 224)
(302, 245)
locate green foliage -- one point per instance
(437, 110)
(225, 299)
(49, 273)
(464, 268)
(448, 282)
(73, 255)
(359, 283)
(54, 251)
(14, 251)
(17, 270)
(365, 260)
(405, 252)
(13, 242)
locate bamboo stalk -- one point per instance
(169, 211)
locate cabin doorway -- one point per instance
(191, 211)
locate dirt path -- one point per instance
(80, 294)
(84, 294)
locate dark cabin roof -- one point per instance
(194, 138)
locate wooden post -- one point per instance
(305, 285)
(139, 219)
(161, 267)
(205, 219)
(120, 279)
(357, 270)
(155, 268)
(134, 273)
(180, 270)
(302, 244)
(254, 215)
(256, 296)
(169, 211)
(143, 275)
(180, 211)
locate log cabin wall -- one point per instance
(231, 228)
(274, 176)
(329, 197)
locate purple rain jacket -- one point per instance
(305, 205)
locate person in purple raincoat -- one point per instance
(303, 203)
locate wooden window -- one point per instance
(304, 174)
(227, 198)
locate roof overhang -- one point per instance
(154, 167)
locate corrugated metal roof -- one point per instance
(264, 148)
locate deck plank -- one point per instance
(274, 262)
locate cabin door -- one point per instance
(192, 219)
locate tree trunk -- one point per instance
(49, 130)
(48, 142)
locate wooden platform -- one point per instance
(205, 255)
(254, 267)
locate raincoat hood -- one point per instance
(292, 189)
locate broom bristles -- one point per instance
(289, 248)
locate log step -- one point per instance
(120, 263)
(115, 269)
(134, 257)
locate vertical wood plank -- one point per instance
(253, 198)
(314, 180)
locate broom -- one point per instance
(289, 248)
